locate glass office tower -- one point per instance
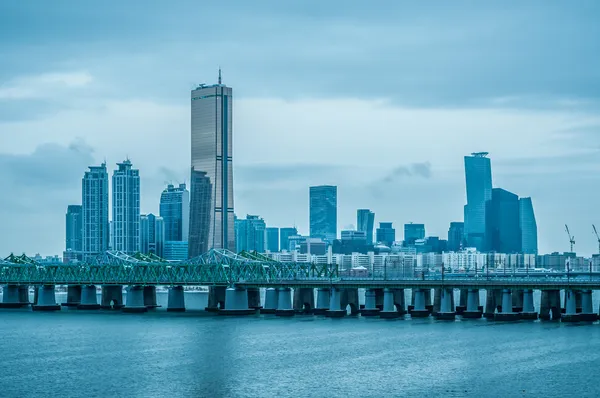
(323, 212)
(529, 241)
(478, 175)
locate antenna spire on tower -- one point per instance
(219, 75)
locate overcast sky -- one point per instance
(382, 99)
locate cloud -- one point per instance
(413, 170)
(43, 86)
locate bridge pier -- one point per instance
(176, 301)
(73, 296)
(89, 298)
(371, 303)
(216, 298)
(254, 298)
(379, 298)
(335, 301)
(570, 314)
(135, 300)
(304, 300)
(389, 310)
(419, 299)
(506, 313)
(400, 301)
(284, 302)
(446, 310)
(236, 302)
(349, 297)
(463, 297)
(528, 312)
(472, 311)
(24, 295)
(150, 297)
(112, 297)
(46, 299)
(517, 300)
(587, 309)
(11, 297)
(550, 305)
(271, 301)
(493, 300)
(323, 297)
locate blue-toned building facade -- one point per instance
(323, 212)
(365, 222)
(529, 238)
(503, 231)
(478, 176)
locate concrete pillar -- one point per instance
(570, 314)
(420, 297)
(472, 310)
(36, 289)
(271, 301)
(399, 301)
(284, 302)
(89, 298)
(437, 300)
(112, 297)
(517, 300)
(150, 297)
(335, 304)
(216, 298)
(24, 295)
(236, 302)
(304, 300)
(462, 301)
(446, 311)
(428, 303)
(254, 298)
(349, 297)
(371, 303)
(507, 314)
(379, 299)
(528, 311)
(322, 301)
(176, 301)
(493, 301)
(10, 297)
(587, 308)
(73, 296)
(550, 305)
(389, 310)
(46, 299)
(135, 300)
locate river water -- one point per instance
(194, 354)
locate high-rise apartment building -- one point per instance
(211, 209)
(365, 221)
(456, 234)
(94, 199)
(175, 211)
(412, 232)
(74, 228)
(272, 239)
(250, 234)
(126, 208)
(284, 237)
(478, 176)
(529, 241)
(386, 234)
(503, 233)
(323, 212)
(152, 234)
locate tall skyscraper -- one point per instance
(175, 211)
(365, 222)
(323, 212)
(74, 228)
(529, 241)
(503, 233)
(272, 239)
(212, 159)
(250, 234)
(284, 237)
(386, 234)
(126, 208)
(456, 234)
(478, 175)
(152, 234)
(412, 232)
(94, 199)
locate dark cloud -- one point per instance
(422, 170)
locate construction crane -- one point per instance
(571, 238)
(597, 237)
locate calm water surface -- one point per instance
(109, 354)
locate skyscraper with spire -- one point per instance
(211, 192)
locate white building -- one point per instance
(126, 208)
(94, 199)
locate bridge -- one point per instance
(235, 281)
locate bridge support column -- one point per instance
(10, 297)
(150, 297)
(420, 297)
(323, 297)
(570, 314)
(46, 299)
(462, 301)
(216, 298)
(379, 298)
(550, 305)
(112, 297)
(236, 302)
(254, 298)
(400, 301)
(335, 304)
(89, 298)
(528, 311)
(24, 295)
(304, 300)
(271, 301)
(587, 308)
(135, 300)
(472, 311)
(517, 300)
(507, 313)
(176, 301)
(73, 296)
(284, 302)
(389, 309)
(370, 303)
(349, 297)
(493, 301)
(446, 311)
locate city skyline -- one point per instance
(394, 147)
